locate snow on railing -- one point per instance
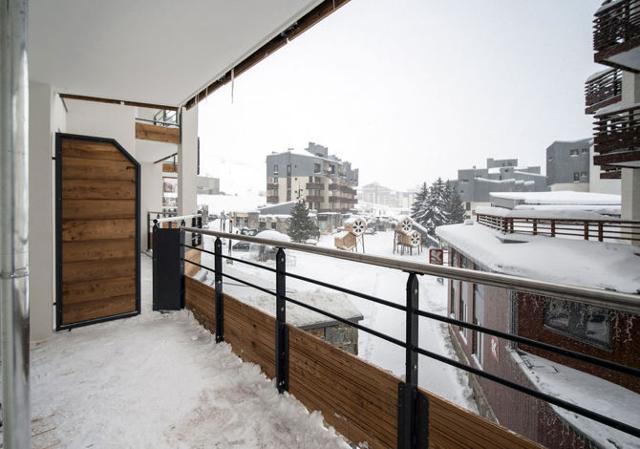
(600, 230)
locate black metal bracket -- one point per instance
(413, 418)
(413, 407)
(282, 332)
(219, 298)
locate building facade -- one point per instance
(500, 175)
(375, 193)
(206, 185)
(323, 181)
(568, 165)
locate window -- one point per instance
(316, 168)
(275, 179)
(574, 152)
(584, 150)
(583, 174)
(288, 169)
(275, 169)
(576, 176)
(468, 205)
(579, 321)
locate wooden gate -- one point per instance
(97, 231)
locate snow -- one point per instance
(244, 202)
(603, 209)
(270, 234)
(560, 197)
(159, 381)
(578, 387)
(561, 213)
(600, 265)
(598, 74)
(388, 284)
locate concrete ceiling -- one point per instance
(154, 51)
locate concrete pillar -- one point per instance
(630, 88)
(151, 196)
(631, 195)
(46, 117)
(188, 162)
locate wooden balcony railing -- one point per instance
(600, 230)
(273, 199)
(315, 186)
(272, 186)
(342, 188)
(315, 198)
(617, 138)
(616, 29)
(603, 89)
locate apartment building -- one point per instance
(324, 182)
(376, 193)
(500, 175)
(570, 168)
(613, 96)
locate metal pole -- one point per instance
(282, 336)
(14, 223)
(219, 298)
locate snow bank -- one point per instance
(577, 262)
(560, 197)
(590, 392)
(562, 213)
(270, 234)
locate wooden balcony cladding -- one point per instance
(315, 198)
(170, 167)
(342, 188)
(616, 30)
(315, 186)
(167, 134)
(357, 398)
(603, 89)
(272, 186)
(273, 199)
(342, 199)
(617, 138)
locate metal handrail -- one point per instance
(178, 218)
(623, 302)
(411, 344)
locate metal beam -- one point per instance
(623, 302)
(14, 223)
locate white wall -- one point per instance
(46, 117)
(598, 185)
(151, 196)
(570, 186)
(113, 121)
(188, 163)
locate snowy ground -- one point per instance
(159, 381)
(387, 284)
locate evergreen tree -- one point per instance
(429, 209)
(417, 209)
(301, 226)
(455, 208)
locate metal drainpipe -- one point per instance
(14, 223)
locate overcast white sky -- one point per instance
(410, 90)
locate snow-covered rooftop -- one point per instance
(559, 197)
(590, 392)
(576, 214)
(576, 262)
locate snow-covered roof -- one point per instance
(600, 265)
(560, 197)
(600, 209)
(577, 214)
(528, 173)
(273, 235)
(590, 392)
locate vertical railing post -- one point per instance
(282, 335)
(586, 230)
(413, 407)
(535, 226)
(553, 228)
(217, 266)
(600, 231)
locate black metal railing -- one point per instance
(171, 220)
(412, 404)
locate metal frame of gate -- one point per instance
(58, 225)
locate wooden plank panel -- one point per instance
(147, 131)
(90, 150)
(98, 209)
(82, 230)
(97, 169)
(195, 256)
(87, 189)
(78, 251)
(200, 299)
(98, 269)
(73, 313)
(87, 291)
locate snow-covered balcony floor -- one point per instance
(160, 381)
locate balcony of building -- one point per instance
(315, 186)
(603, 89)
(616, 34)
(617, 139)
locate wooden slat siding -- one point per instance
(83, 230)
(87, 291)
(358, 399)
(86, 209)
(97, 250)
(200, 299)
(86, 189)
(74, 313)
(451, 426)
(93, 169)
(169, 167)
(98, 269)
(195, 256)
(98, 230)
(156, 133)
